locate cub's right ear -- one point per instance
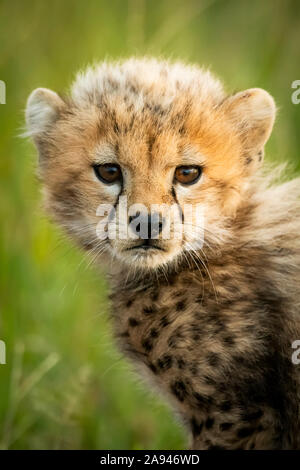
(43, 109)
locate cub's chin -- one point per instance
(147, 256)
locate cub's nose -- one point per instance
(146, 226)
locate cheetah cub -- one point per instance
(208, 316)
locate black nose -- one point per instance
(146, 226)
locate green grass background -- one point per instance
(65, 384)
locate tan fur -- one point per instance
(212, 328)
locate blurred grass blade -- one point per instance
(37, 375)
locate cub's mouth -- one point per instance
(146, 245)
(149, 253)
(145, 240)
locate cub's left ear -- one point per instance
(43, 109)
(253, 113)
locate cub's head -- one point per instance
(148, 160)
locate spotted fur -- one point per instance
(212, 328)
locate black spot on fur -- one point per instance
(193, 368)
(209, 380)
(209, 423)
(165, 362)
(240, 360)
(151, 140)
(181, 363)
(226, 405)
(180, 306)
(133, 322)
(196, 427)
(229, 340)
(154, 333)
(225, 426)
(214, 319)
(180, 293)
(129, 303)
(252, 416)
(153, 368)
(213, 359)
(203, 401)
(125, 334)
(154, 296)
(245, 432)
(179, 389)
(148, 310)
(133, 89)
(147, 345)
(164, 321)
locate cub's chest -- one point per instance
(151, 321)
(165, 327)
(174, 326)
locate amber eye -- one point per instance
(108, 173)
(187, 174)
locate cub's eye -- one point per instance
(108, 173)
(187, 174)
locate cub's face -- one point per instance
(146, 160)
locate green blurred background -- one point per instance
(65, 384)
